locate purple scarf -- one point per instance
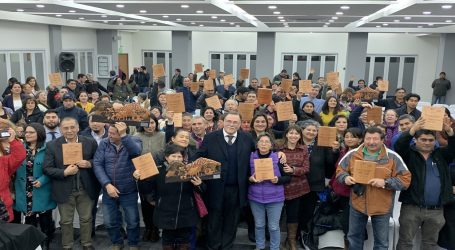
(391, 131)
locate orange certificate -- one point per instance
(213, 102)
(434, 118)
(175, 102)
(146, 165)
(55, 79)
(305, 86)
(264, 96)
(72, 153)
(363, 171)
(326, 136)
(263, 169)
(284, 111)
(244, 73)
(246, 111)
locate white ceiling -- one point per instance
(240, 15)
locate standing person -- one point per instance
(29, 112)
(440, 87)
(84, 103)
(266, 197)
(330, 109)
(431, 185)
(392, 126)
(9, 163)
(227, 195)
(312, 96)
(410, 107)
(69, 109)
(376, 198)
(74, 186)
(190, 97)
(113, 167)
(51, 124)
(14, 100)
(33, 188)
(297, 166)
(177, 80)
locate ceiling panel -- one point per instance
(206, 18)
(316, 9)
(418, 9)
(48, 8)
(402, 25)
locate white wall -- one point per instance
(78, 39)
(426, 49)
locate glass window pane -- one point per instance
(27, 65)
(408, 73)
(301, 66)
(287, 63)
(39, 67)
(15, 66)
(3, 76)
(241, 62)
(316, 65)
(367, 69)
(83, 69)
(379, 63)
(394, 66)
(90, 68)
(329, 64)
(252, 66)
(228, 64)
(215, 62)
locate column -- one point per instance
(356, 54)
(446, 63)
(265, 54)
(182, 51)
(107, 44)
(55, 45)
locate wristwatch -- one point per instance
(386, 183)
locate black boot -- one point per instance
(45, 244)
(146, 236)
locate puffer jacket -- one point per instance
(266, 191)
(112, 166)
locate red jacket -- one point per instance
(8, 166)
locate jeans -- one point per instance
(113, 222)
(413, 217)
(357, 224)
(438, 99)
(273, 211)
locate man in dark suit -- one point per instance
(227, 195)
(177, 79)
(74, 186)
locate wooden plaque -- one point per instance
(158, 70)
(265, 82)
(228, 79)
(263, 169)
(284, 111)
(434, 118)
(264, 96)
(72, 153)
(146, 166)
(363, 171)
(244, 73)
(212, 73)
(332, 79)
(326, 136)
(55, 79)
(375, 114)
(198, 67)
(175, 102)
(383, 85)
(286, 85)
(246, 111)
(213, 102)
(177, 118)
(208, 85)
(305, 86)
(194, 87)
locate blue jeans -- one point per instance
(438, 99)
(113, 222)
(273, 211)
(357, 225)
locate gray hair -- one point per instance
(407, 116)
(315, 86)
(307, 123)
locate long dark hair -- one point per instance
(325, 107)
(289, 129)
(152, 117)
(36, 87)
(40, 134)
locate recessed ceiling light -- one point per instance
(20, 10)
(154, 24)
(142, 22)
(120, 6)
(272, 7)
(326, 23)
(193, 23)
(334, 17)
(105, 21)
(345, 7)
(237, 26)
(339, 13)
(223, 20)
(426, 12)
(201, 25)
(81, 18)
(430, 24)
(120, 23)
(71, 11)
(214, 17)
(185, 6)
(325, 26)
(199, 11)
(331, 21)
(231, 23)
(280, 17)
(142, 11)
(448, 21)
(282, 20)
(385, 24)
(103, 16)
(40, 6)
(276, 12)
(447, 6)
(58, 15)
(165, 16)
(122, 18)
(420, 26)
(396, 20)
(407, 17)
(178, 19)
(378, 26)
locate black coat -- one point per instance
(36, 116)
(446, 234)
(62, 186)
(322, 166)
(214, 147)
(175, 204)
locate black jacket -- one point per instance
(416, 165)
(75, 112)
(403, 110)
(36, 116)
(389, 103)
(322, 165)
(62, 186)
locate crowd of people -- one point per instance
(313, 189)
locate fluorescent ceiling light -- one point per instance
(81, 18)
(40, 6)
(396, 20)
(214, 17)
(272, 7)
(178, 19)
(142, 11)
(339, 13)
(447, 6)
(193, 23)
(71, 11)
(231, 23)
(103, 16)
(334, 17)
(165, 16)
(426, 12)
(120, 6)
(199, 11)
(378, 26)
(223, 20)
(345, 7)
(280, 17)
(407, 18)
(448, 21)
(282, 20)
(276, 12)
(142, 22)
(385, 24)
(201, 25)
(185, 6)
(237, 26)
(58, 15)
(20, 10)
(120, 23)
(430, 24)
(420, 26)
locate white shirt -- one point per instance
(226, 138)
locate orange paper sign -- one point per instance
(175, 102)
(264, 96)
(158, 70)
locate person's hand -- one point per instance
(352, 78)
(293, 119)
(170, 116)
(274, 180)
(112, 191)
(335, 146)
(36, 184)
(349, 180)
(377, 182)
(84, 164)
(282, 157)
(271, 107)
(12, 135)
(288, 169)
(447, 126)
(137, 174)
(71, 170)
(418, 125)
(196, 181)
(253, 179)
(366, 105)
(312, 71)
(121, 128)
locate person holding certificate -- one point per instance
(266, 192)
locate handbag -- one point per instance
(200, 205)
(4, 216)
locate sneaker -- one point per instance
(306, 240)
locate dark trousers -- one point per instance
(147, 212)
(175, 237)
(292, 210)
(307, 206)
(44, 220)
(222, 224)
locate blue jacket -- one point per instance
(42, 200)
(189, 98)
(77, 113)
(115, 167)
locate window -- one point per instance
(302, 63)
(22, 64)
(398, 70)
(158, 57)
(231, 63)
(83, 63)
